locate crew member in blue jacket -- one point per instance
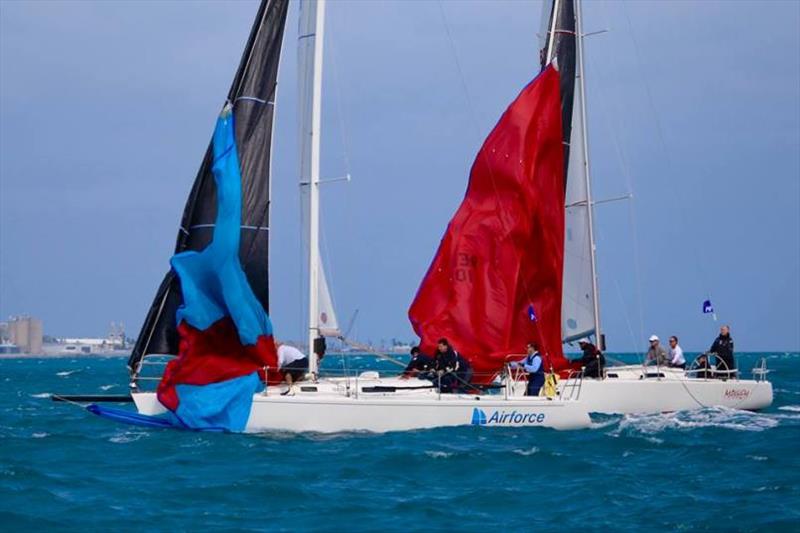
(532, 364)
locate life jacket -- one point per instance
(529, 361)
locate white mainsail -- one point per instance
(577, 305)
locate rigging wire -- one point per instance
(325, 255)
(343, 129)
(612, 118)
(671, 166)
(370, 350)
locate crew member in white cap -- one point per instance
(656, 354)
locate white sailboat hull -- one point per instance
(629, 392)
(329, 409)
(381, 415)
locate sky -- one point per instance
(106, 109)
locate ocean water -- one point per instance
(62, 468)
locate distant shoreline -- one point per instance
(358, 354)
(62, 356)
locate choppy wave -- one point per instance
(128, 436)
(710, 417)
(438, 454)
(529, 451)
(60, 465)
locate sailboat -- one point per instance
(624, 388)
(211, 310)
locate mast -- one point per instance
(587, 174)
(310, 42)
(562, 39)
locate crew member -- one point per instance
(592, 361)
(450, 367)
(532, 364)
(463, 373)
(656, 354)
(676, 359)
(723, 349)
(701, 369)
(292, 363)
(420, 365)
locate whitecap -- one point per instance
(438, 454)
(40, 435)
(126, 437)
(792, 408)
(40, 395)
(604, 423)
(722, 417)
(530, 451)
(106, 387)
(67, 373)
(757, 457)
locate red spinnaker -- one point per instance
(214, 355)
(503, 249)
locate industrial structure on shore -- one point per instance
(24, 335)
(21, 334)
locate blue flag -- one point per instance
(531, 313)
(707, 307)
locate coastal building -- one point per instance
(26, 332)
(114, 344)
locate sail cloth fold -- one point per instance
(225, 333)
(502, 253)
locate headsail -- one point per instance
(328, 324)
(501, 256)
(252, 95)
(560, 40)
